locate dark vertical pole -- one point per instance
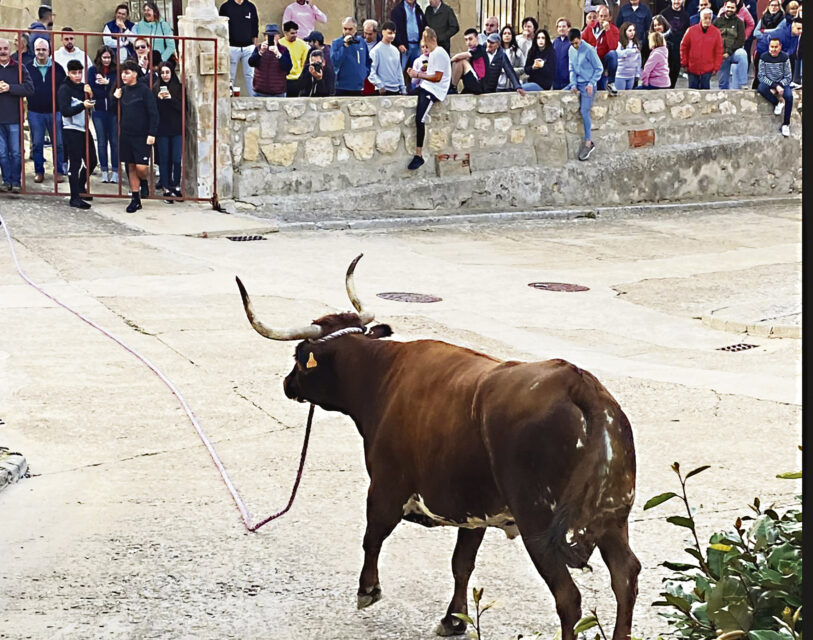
(182, 50)
(214, 146)
(54, 115)
(20, 100)
(87, 118)
(151, 165)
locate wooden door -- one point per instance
(378, 10)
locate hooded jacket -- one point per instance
(584, 65)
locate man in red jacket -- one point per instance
(701, 51)
(603, 35)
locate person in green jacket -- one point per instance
(152, 25)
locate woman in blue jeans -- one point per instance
(168, 96)
(102, 80)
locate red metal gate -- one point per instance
(15, 37)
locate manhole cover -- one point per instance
(737, 347)
(557, 286)
(408, 297)
(245, 238)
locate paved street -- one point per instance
(125, 530)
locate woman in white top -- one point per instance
(421, 64)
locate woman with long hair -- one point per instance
(629, 57)
(102, 80)
(540, 65)
(168, 97)
(655, 74)
(510, 46)
(152, 25)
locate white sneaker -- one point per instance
(785, 130)
(777, 110)
(104, 176)
(114, 177)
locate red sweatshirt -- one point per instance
(701, 52)
(606, 41)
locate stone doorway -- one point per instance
(378, 10)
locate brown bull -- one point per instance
(458, 438)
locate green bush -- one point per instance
(745, 583)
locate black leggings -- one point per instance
(78, 169)
(425, 100)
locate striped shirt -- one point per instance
(774, 69)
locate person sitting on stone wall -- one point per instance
(701, 51)
(480, 68)
(585, 70)
(421, 63)
(774, 81)
(272, 63)
(604, 36)
(349, 57)
(434, 88)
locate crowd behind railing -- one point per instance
(131, 92)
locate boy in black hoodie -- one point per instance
(74, 101)
(139, 126)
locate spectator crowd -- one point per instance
(131, 94)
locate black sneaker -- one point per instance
(135, 205)
(79, 203)
(6, 186)
(169, 194)
(177, 192)
(416, 162)
(145, 189)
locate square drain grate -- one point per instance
(245, 238)
(737, 347)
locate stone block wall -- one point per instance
(298, 159)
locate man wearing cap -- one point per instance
(305, 14)
(409, 24)
(272, 64)
(316, 40)
(244, 25)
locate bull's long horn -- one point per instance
(311, 331)
(365, 315)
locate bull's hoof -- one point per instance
(365, 599)
(450, 626)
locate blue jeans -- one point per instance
(39, 123)
(701, 81)
(610, 63)
(531, 86)
(736, 63)
(169, 161)
(585, 104)
(106, 125)
(413, 51)
(624, 84)
(765, 91)
(10, 160)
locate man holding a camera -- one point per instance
(272, 64)
(318, 81)
(349, 56)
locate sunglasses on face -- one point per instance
(141, 46)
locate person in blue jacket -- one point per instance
(585, 70)
(561, 47)
(349, 56)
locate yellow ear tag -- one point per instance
(311, 361)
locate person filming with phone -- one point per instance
(75, 101)
(170, 107)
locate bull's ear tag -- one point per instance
(311, 361)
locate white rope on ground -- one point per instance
(244, 513)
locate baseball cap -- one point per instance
(272, 28)
(493, 37)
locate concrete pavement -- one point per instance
(124, 529)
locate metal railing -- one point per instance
(180, 59)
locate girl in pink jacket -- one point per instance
(655, 74)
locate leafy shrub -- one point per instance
(747, 584)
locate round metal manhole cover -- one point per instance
(557, 286)
(399, 296)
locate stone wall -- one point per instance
(300, 159)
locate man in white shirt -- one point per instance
(385, 67)
(69, 51)
(305, 14)
(434, 86)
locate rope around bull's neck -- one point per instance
(241, 506)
